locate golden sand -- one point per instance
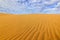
(30, 27)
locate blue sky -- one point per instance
(30, 6)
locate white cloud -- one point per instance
(14, 5)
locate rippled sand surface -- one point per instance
(30, 27)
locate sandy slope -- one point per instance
(30, 27)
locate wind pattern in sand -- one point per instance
(29, 27)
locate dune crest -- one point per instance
(30, 27)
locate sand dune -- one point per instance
(30, 27)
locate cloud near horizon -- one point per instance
(30, 6)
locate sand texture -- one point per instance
(30, 27)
